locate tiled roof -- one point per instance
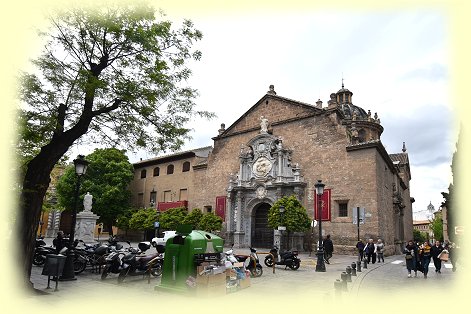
(401, 157)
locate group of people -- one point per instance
(371, 251)
(418, 256)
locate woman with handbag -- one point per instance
(410, 252)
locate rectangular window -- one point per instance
(153, 197)
(208, 209)
(183, 195)
(140, 200)
(167, 196)
(343, 209)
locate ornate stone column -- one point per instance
(239, 234)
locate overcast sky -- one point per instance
(395, 62)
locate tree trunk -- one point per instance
(35, 184)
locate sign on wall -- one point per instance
(221, 207)
(325, 205)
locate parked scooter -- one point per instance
(113, 261)
(136, 263)
(251, 262)
(289, 258)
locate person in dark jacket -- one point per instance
(361, 247)
(411, 255)
(328, 248)
(425, 255)
(59, 242)
(435, 252)
(370, 251)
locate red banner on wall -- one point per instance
(325, 205)
(163, 206)
(221, 207)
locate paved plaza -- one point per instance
(389, 278)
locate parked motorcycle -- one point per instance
(137, 263)
(93, 255)
(113, 261)
(40, 252)
(251, 262)
(289, 259)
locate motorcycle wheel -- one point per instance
(258, 271)
(156, 270)
(294, 265)
(104, 274)
(269, 261)
(79, 266)
(39, 259)
(122, 275)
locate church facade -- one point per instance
(282, 147)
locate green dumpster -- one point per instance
(183, 253)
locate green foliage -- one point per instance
(419, 236)
(194, 218)
(115, 70)
(210, 222)
(122, 221)
(436, 226)
(143, 219)
(107, 179)
(295, 217)
(171, 218)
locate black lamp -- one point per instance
(320, 266)
(80, 169)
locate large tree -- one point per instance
(113, 74)
(107, 179)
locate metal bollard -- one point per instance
(365, 263)
(338, 287)
(343, 276)
(348, 270)
(359, 266)
(354, 269)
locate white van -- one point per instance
(162, 241)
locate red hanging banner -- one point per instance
(221, 207)
(325, 205)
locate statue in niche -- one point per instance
(87, 202)
(263, 124)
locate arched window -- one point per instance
(156, 171)
(170, 169)
(186, 166)
(143, 173)
(362, 136)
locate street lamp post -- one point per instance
(281, 227)
(80, 168)
(320, 266)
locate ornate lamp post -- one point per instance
(80, 168)
(320, 266)
(281, 227)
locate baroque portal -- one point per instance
(265, 175)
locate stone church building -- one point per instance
(282, 147)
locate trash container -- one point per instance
(182, 254)
(53, 267)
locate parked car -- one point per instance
(163, 240)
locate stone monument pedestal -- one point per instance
(85, 226)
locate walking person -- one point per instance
(380, 250)
(435, 252)
(328, 248)
(370, 250)
(410, 252)
(361, 247)
(425, 256)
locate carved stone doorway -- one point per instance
(262, 234)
